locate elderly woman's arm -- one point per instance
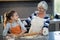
(46, 25)
(28, 20)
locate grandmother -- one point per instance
(41, 12)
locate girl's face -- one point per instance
(15, 16)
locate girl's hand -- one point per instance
(17, 36)
(11, 35)
(21, 34)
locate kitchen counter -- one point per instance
(35, 38)
(54, 35)
(57, 24)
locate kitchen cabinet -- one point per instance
(54, 25)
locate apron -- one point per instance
(16, 30)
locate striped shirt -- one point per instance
(46, 22)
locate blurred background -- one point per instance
(26, 7)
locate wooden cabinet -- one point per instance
(54, 25)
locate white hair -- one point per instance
(43, 4)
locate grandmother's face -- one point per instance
(41, 9)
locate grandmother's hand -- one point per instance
(41, 32)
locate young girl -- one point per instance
(13, 24)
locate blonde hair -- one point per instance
(43, 4)
(7, 17)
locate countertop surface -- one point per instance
(54, 35)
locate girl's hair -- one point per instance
(8, 17)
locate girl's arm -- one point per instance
(6, 28)
(28, 20)
(22, 33)
(22, 27)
